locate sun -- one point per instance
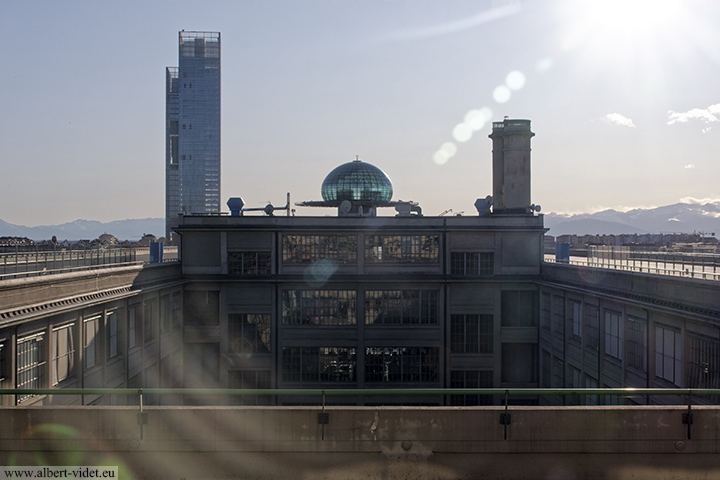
(623, 30)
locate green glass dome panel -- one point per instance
(357, 181)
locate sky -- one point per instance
(623, 96)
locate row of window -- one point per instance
(343, 249)
(339, 364)
(252, 333)
(102, 338)
(382, 307)
(261, 379)
(627, 341)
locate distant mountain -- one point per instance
(677, 218)
(132, 229)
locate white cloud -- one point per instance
(699, 201)
(707, 115)
(689, 166)
(618, 119)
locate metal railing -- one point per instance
(324, 392)
(679, 265)
(323, 416)
(30, 262)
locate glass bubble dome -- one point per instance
(357, 181)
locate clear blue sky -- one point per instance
(623, 96)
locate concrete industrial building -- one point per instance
(192, 126)
(364, 301)
(367, 302)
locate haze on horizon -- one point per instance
(621, 95)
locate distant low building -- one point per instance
(16, 242)
(107, 239)
(147, 239)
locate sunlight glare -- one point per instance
(475, 120)
(620, 27)
(502, 94)
(462, 132)
(515, 80)
(447, 150)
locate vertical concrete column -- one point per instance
(511, 166)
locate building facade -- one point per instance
(603, 328)
(192, 159)
(362, 301)
(373, 302)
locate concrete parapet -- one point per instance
(370, 443)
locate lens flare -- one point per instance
(475, 120)
(462, 132)
(543, 65)
(502, 94)
(440, 157)
(515, 80)
(318, 273)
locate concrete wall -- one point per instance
(369, 443)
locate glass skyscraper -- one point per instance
(192, 163)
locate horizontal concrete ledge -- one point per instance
(385, 442)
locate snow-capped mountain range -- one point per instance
(677, 218)
(132, 229)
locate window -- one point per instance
(401, 307)
(704, 363)
(591, 382)
(176, 310)
(471, 263)
(558, 315)
(249, 333)
(318, 364)
(3, 363)
(575, 311)
(576, 378)
(576, 382)
(250, 379)
(636, 344)
(402, 248)
(471, 333)
(558, 373)
(134, 327)
(310, 248)
(613, 334)
(668, 354)
(546, 311)
(112, 333)
(149, 328)
(471, 379)
(319, 307)
(592, 326)
(91, 340)
(30, 363)
(545, 368)
(165, 313)
(63, 353)
(401, 364)
(249, 263)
